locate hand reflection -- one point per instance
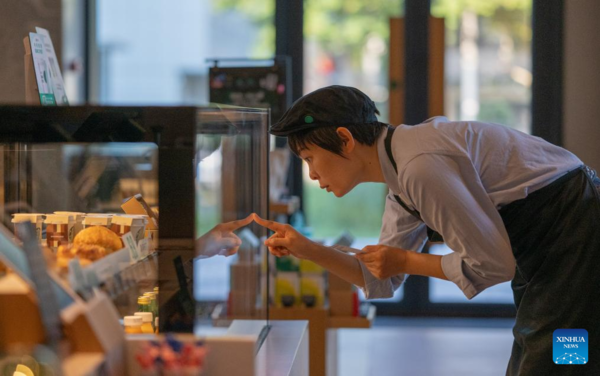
(221, 240)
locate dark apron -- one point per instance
(555, 237)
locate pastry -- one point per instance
(100, 236)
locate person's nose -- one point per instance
(312, 174)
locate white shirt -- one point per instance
(458, 175)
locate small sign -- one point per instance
(144, 247)
(76, 278)
(42, 70)
(131, 245)
(58, 86)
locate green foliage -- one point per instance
(502, 13)
(496, 112)
(342, 27)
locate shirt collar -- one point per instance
(389, 174)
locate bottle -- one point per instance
(143, 304)
(153, 305)
(147, 319)
(133, 324)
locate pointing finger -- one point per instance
(273, 226)
(277, 242)
(234, 225)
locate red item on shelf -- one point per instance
(355, 303)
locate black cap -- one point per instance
(331, 105)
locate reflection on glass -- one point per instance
(84, 182)
(84, 178)
(231, 183)
(441, 291)
(221, 240)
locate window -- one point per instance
(441, 291)
(488, 61)
(346, 43)
(488, 78)
(149, 53)
(156, 53)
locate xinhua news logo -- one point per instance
(570, 346)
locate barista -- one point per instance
(510, 206)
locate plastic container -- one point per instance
(77, 217)
(133, 324)
(36, 218)
(59, 230)
(96, 219)
(124, 223)
(147, 322)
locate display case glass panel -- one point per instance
(231, 184)
(199, 170)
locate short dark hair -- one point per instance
(328, 139)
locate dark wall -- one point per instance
(17, 19)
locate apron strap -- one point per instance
(431, 234)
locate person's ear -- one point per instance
(348, 142)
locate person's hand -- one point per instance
(383, 261)
(286, 240)
(221, 240)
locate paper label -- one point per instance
(130, 244)
(144, 247)
(104, 270)
(76, 278)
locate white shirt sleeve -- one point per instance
(399, 229)
(451, 199)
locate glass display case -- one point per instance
(175, 187)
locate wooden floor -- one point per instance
(426, 347)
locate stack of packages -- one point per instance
(287, 281)
(299, 283)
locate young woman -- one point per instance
(511, 207)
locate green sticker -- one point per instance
(308, 119)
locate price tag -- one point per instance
(104, 270)
(131, 245)
(144, 247)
